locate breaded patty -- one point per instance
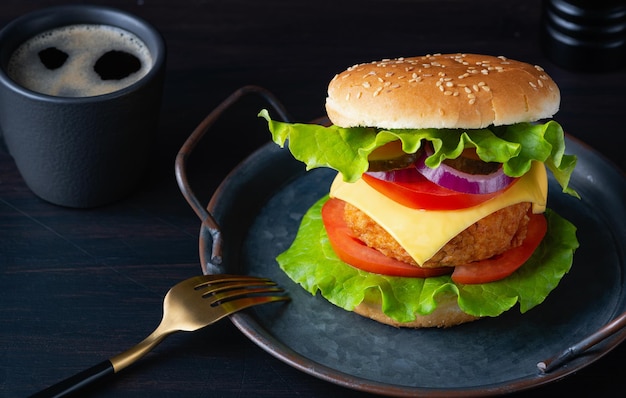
(492, 235)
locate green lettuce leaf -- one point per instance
(346, 149)
(311, 262)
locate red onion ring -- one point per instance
(460, 181)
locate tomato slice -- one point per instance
(416, 192)
(355, 253)
(503, 265)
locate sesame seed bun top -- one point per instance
(441, 91)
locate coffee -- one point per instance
(80, 61)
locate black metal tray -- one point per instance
(258, 209)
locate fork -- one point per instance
(188, 306)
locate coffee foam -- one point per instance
(84, 44)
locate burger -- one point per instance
(437, 215)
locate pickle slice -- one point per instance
(391, 157)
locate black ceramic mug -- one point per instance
(73, 148)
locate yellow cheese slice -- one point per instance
(422, 233)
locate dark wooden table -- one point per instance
(78, 286)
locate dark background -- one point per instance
(78, 286)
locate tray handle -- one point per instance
(190, 144)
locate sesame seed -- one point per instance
(378, 90)
(539, 68)
(471, 96)
(468, 90)
(449, 84)
(367, 85)
(472, 101)
(388, 74)
(539, 82)
(447, 92)
(485, 88)
(475, 87)
(533, 85)
(348, 97)
(359, 95)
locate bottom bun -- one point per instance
(446, 314)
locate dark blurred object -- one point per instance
(585, 36)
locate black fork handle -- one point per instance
(77, 382)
